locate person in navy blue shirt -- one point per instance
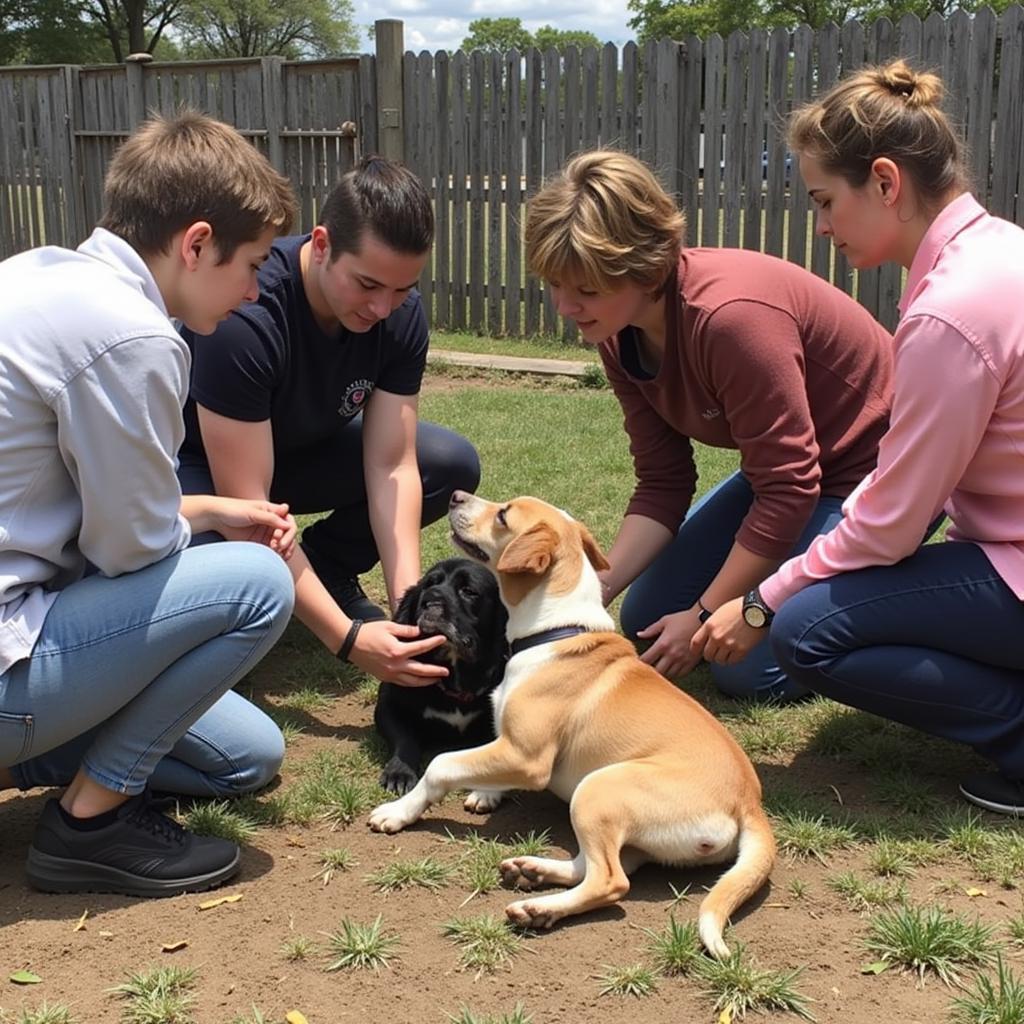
(310, 395)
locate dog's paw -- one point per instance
(390, 817)
(398, 777)
(532, 914)
(480, 801)
(521, 873)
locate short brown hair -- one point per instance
(172, 172)
(385, 198)
(603, 220)
(886, 111)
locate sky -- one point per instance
(443, 24)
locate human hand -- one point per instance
(726, 638)
(671, 653)
(387, 650)
(256, 520)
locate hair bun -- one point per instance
(916, 88)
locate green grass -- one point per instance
(486, 942)
(357, 947)
(467, 1016)
(531, 348)
(985, 1001)
(332, 861)
(44, 1014)
(930, 940)
(161, 995)
(628, 980)
(220, 818)
(425, 872)
(676, 949)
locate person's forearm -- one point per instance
(314, 606)
(740, 573)
(640, 540)
(396, 510)
(197, 509)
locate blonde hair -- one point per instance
(886, 111)
(172, 172)
(603, 220)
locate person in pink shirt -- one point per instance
(928, 635)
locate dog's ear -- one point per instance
(408, 606)
(530, 552)
(594, 554)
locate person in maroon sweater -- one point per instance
(727, 347)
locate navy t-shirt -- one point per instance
(270, 360)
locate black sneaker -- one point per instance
(348, 595)
(995, 792)
(141, 853)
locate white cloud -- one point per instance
(443, 24)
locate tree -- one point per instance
(252, 28)
(548, 37)
(49, 32)
(132, 26)
(499, 34)
(658, 19)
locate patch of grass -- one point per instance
(307, 699)
(986, 1003)
(255, 1017)
(764, 729)
(466, 1016)
(298, 947)
(356, 946)
(676, 949)
(738, 985)
(866, 895)
(1015, 927)
(533, 844)
(366, 691)
(220, 818)
(965, 834)
(892, 858)
(332, 861)
(593, 377)
(427, 873)
(1004, 863)
(161, 995)
(929, 939)
(270, 810)
(798, 888)
(329, 791)
(486, 942)
(627, 980)
(801, 836)
(906, 793)
(45, 1014)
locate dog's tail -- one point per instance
(751, 870)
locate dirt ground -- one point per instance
(236, 947)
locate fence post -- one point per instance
(74, 201)
(133, 70)
(273, 113)
(389, 36)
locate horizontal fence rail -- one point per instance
(484, 129)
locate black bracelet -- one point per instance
(705, 613)
(350, 640)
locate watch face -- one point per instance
(754, 616)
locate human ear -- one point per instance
(194, 239)
(886, 176)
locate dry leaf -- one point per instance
(975, 892)
(295, 841)
(839, 796)
(295, 1017)
(173, 947)
(210, 904)
(106, 935)
(725, 1017)
(778, 906)
(80, 927)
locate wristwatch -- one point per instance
(755, 612)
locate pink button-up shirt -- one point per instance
(956, 434)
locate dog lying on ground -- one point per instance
(650, 775)
(458, 598)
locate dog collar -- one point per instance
(547, 636)
(459, 696)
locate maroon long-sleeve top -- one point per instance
(764, 357)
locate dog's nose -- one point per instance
(457, 498)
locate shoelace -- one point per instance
(148, 814)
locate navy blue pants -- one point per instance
(935, 642)
(328, 477)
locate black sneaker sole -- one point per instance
(60, 874)
(991, 805)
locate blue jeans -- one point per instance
(683, 571)
(130, 678)
(935, 641)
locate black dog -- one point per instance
(458, 598)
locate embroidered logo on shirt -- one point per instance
(710, 414)
(356, 396)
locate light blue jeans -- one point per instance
(131, 678)
(682, 572)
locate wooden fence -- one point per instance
(483, 129)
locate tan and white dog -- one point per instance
(648, 773)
